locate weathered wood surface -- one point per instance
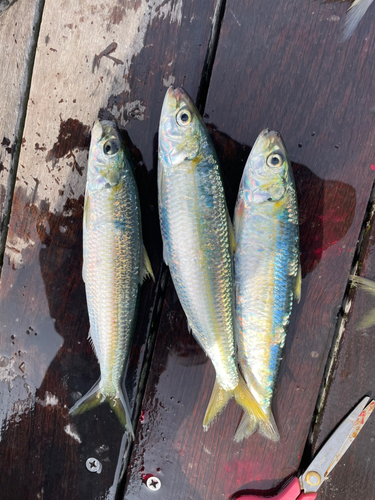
(113, 60)
(17, 33)
(280, 65)
(352, 377)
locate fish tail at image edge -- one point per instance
(116, 400)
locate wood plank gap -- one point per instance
(152, 331)
(210, 55)
(5, 216)
(341, 322)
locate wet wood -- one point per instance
(352, 377)
(294, 77)
(16, 56)
(110, 60)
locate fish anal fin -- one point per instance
(298, 285)
(91, 340)
(146, 267)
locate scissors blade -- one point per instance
(336, 446)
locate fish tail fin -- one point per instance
(116, 401)
(257, 417)
(219, 399)
(249, 425)
(355, 13)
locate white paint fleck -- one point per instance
(334, 18)
(71, 432)
(14, 249)
(207, 450)
(314, 354)
(167, 82)
(49, 400)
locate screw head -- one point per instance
(93, 465)
(153, 483)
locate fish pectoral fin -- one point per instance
(219, 399)
(232, 238)
(298, 285)
(248, 402)
(116, 401)
(146, 267)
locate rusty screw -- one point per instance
(93, 465)
(153, 483)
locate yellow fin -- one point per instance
(219, 399)
(232, 239)
(368, 286)
(254, 415)
(147, 269)
(298, 285)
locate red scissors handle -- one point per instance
(291, 492)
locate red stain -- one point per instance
(372, 167)
(142, 417)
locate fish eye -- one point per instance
(110, 147)
(183, 117)
(275, 160)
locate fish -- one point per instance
(198, 244)
(353, 17)
(267, 271)
(115, 263)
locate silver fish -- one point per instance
(198, 242)
(114, 265)
(267, 270)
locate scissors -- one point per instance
(306, 486)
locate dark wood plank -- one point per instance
(17, 42)
(278, 65)
(352, 377)
(112, 60)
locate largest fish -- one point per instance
(114, 264)
(198, 244)
(267, 270)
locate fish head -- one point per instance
(182, 133)
(267, 172)
(108, 156)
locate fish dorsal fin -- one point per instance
(146, 267)
(232, 238)
(298, 285)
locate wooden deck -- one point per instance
(248, 65)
